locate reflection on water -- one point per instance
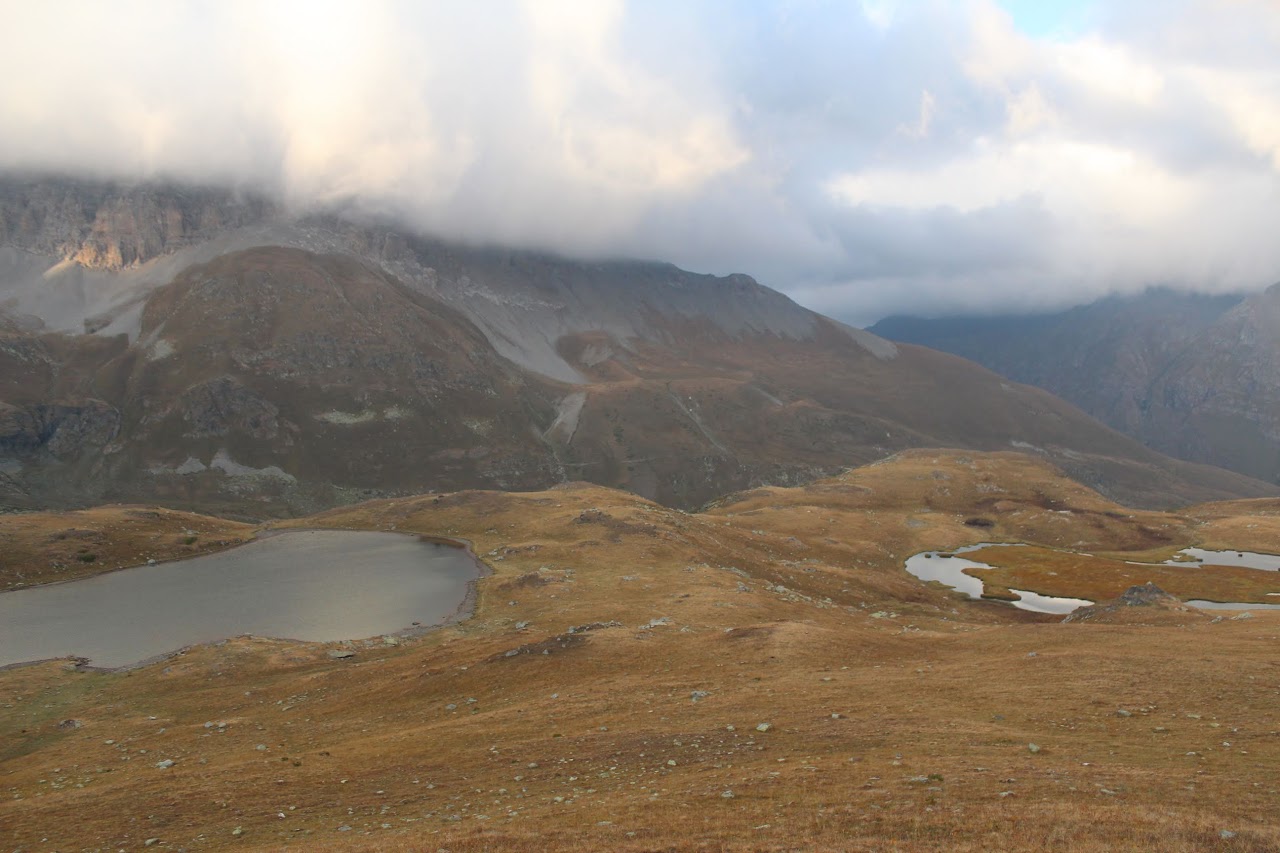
(1246, 559)
(1230, 605)
(1047, 603)
(316, 585)
(949, 570)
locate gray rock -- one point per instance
(165, 764)
(698, 694)
(338, 654)
(764, 727)
(1033, 748)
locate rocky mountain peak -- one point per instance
(115, 226)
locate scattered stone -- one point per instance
(166, 764)
(338, 654)
(764, 727)
(1032, 655)
(726, 795)
(698, 694)
(1033, 748)
(1123, 713)
(237, 832)
(68, 725)
(1248, 614)
(150, 841)
(1226, 835)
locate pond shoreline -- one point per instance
(286, 575)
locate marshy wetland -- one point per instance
(1057, 581)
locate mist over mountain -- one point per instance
(460, 425)
(204, 347)
(864, 158)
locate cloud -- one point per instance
(867, 158)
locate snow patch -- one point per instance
(224, 463)
(347, 418)
(159, 350)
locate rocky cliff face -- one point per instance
(114, 226)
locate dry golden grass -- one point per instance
(901, 714)
(43, 547)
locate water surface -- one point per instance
(313, 585)
(1245, 559)
(949, 570)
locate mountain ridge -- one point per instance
(1188, 375)
(298, 363)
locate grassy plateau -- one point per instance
(760, 675)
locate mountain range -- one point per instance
(202, 347)
(1193, 376)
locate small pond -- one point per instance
(312, 585)
(949, 570)
(1246, 559)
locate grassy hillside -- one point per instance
(761, 676)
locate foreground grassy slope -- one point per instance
(562, 715)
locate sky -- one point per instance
(866, 157)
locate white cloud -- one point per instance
(868, 157)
